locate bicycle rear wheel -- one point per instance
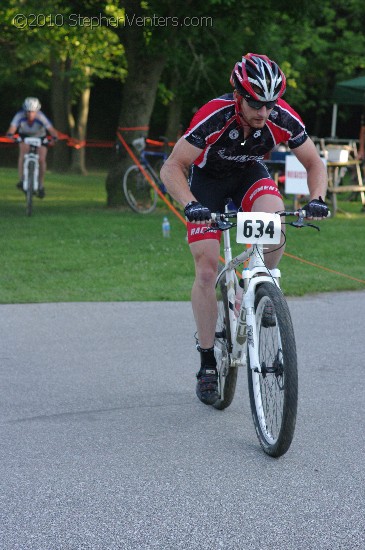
(29, 192)
(140, 195)
(274, 392)
(227, 375)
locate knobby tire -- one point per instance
(274, 392)
(227, 375)
(139, 194)
(29, 193)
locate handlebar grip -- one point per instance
(304, 213)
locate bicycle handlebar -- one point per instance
(220, 220)
(216, 216)
(44, 140)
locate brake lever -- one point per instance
(300, 223)
(221, 225)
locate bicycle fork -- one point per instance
(244, 327)
(28, 159)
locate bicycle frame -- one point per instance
(31, 157)
(243, 327)
(146, 164)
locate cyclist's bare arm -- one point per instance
(11, 130)
(53, 132)
(175, 170)
(308, 155)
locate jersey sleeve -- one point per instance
(207, 122)
(44, 120)
(295, 133)
(16, 119)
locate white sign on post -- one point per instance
(296, 176)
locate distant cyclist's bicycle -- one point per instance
(31, 169)
(259, 334)
(139, 193)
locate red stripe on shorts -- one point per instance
(197, 232)
(265, 186)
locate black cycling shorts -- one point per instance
(213, 192)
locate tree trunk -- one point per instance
(78, 164)
(173, 128)
(138, 97)
(60, 85)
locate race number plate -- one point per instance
(37, 142)
(258, 227)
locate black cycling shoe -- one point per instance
(207, 385)
(268, 316)
(41, 193)
(19, 186)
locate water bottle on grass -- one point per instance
(166, 227)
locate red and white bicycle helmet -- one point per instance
(258, 77)
(31, 104)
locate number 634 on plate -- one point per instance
(258, 228)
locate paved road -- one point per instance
(103, 444)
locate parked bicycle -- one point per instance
(31, 169)
(259, 334)
(139, 193)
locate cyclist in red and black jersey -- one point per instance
(225, 144)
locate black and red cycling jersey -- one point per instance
(216, 129)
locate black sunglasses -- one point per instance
(254, 104)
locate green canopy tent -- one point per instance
(347, 92)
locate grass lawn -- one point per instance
(73, 248)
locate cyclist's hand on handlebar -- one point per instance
(50, 140)
(316, 209)
(196, 212)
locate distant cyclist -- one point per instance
(30, 121)
(226, 143)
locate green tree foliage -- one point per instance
(31, 34)
(323, 44)
(63, 47)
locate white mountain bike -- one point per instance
(31, 170)
(259, 335)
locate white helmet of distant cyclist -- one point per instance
(258, 77)
(31, 104)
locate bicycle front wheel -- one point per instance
(29, 193)
(274, 392)
(227, 375)
(140, 195)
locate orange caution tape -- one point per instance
(78, 143)
(324, 268)
(73, 142)
(155, 143)
(132, 129)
